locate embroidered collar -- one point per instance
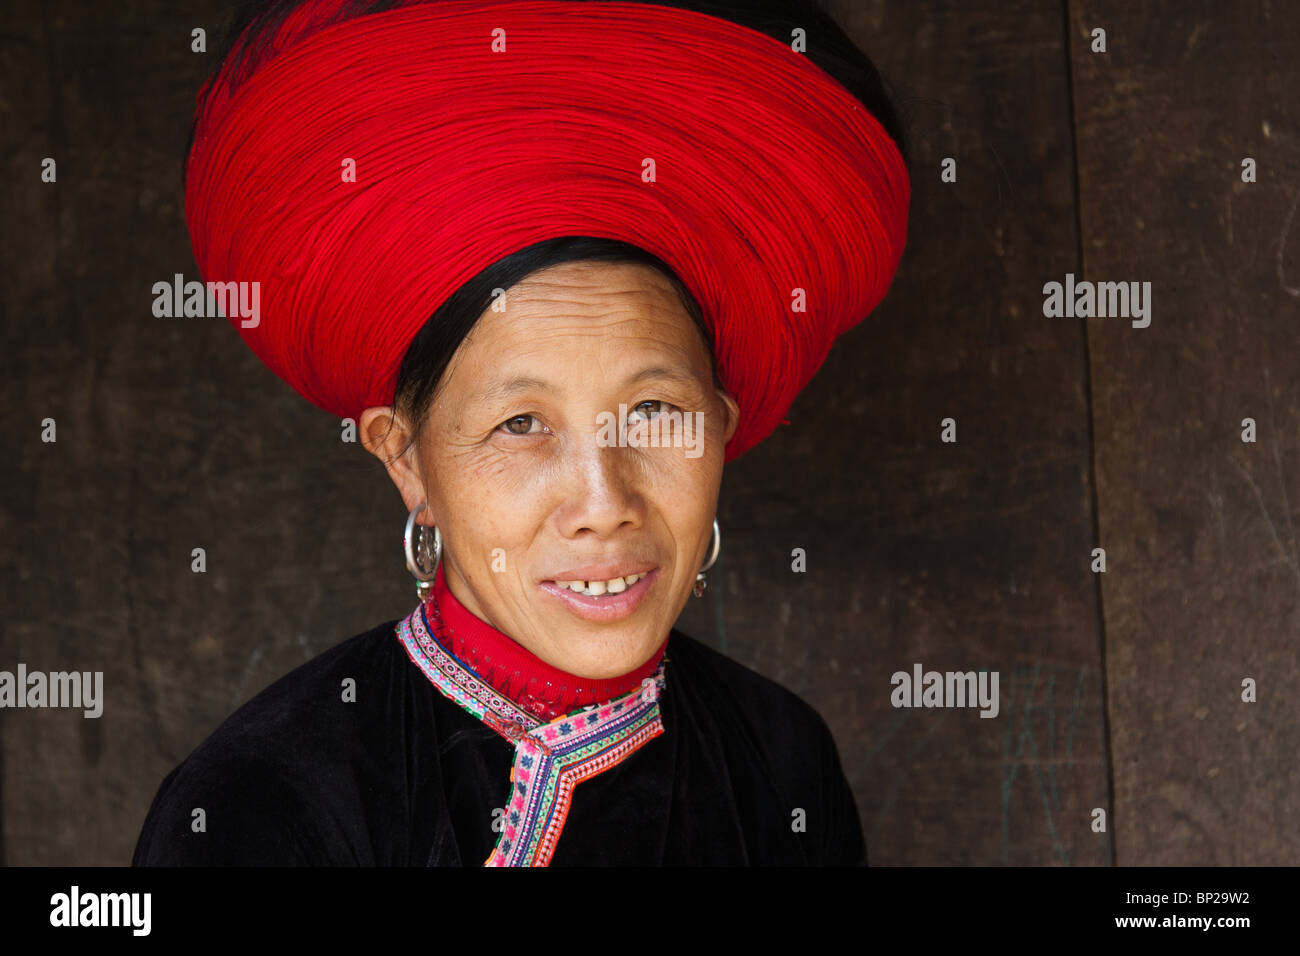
(551, 758)
(529, 682)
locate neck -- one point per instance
(515, 672)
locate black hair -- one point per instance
(432, 348)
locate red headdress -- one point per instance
(479, 127)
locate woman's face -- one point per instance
(532, 482)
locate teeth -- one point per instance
(597, 588)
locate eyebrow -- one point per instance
(525, 383)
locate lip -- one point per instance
(608, 607)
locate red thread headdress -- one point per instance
(770, 177)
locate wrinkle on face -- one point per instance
(513, 508)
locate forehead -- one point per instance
(581, 309)
(594, 290)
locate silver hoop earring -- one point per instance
(422, 559)
(698, 589)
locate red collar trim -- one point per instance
(516, 672)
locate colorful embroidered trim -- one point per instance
(455, 679)
(550, 759)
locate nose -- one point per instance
(603, 491)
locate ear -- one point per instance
(386, 436)
(732, 410)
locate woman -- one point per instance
(637, 230)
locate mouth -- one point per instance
(617, 598)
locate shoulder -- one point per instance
(764, 703)
(779, 753)
(251, 791)
(312, 705)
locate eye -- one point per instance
(659, 410)
(527, 419)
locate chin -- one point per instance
(604, 658)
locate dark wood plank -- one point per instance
(172, 435)
(1200, 528)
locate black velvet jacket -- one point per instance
(403, 776)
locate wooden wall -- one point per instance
(1120, 691)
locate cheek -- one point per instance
(684, 492)
(483, 478)
(491, 513)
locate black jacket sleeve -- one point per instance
(844, 842)
(228, 813)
